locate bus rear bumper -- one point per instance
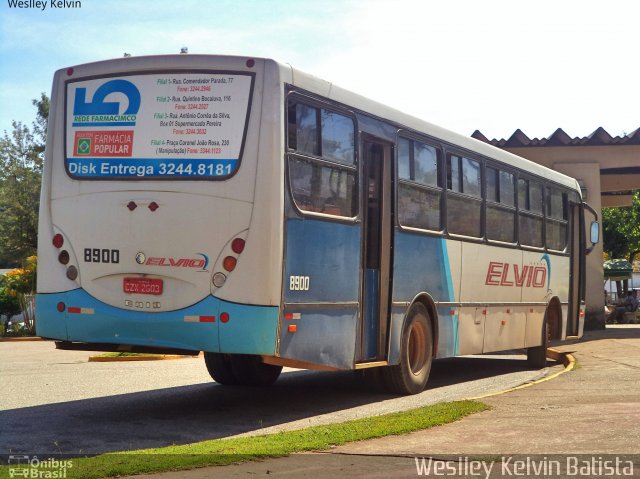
(245, 329)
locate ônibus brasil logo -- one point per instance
(105, 107)
(534, 275)
(197, 263)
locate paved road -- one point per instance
(55, 401)
(588, 417)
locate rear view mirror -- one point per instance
(595, 232)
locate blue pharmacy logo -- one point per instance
(98, 105)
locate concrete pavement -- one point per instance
(593, 410)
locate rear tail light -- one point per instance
(61, 307)
(63, 257)
(219, 279)
(58, 240)
(72, 273)
(229, 263)
(237, 245)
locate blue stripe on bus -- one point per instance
(250, 330)
(453, 319)
(329, 254)
(421, 264)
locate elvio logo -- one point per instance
(98, 105)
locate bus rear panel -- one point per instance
(149, 230)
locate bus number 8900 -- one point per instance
(299, 283)
(96, 255)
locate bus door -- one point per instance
(576, 282)
(377, 249)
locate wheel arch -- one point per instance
(553, 318)
(427, 301)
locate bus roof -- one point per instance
(322, 87)
(365, 105)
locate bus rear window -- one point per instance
(161, 125)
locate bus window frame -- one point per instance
(439, 146)
(487, 202)
(564, 193)
(451, 150)
(245, 132)
(321, 103)
(444, 148)
(523, 175)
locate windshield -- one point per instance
(160, 125)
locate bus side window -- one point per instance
(530, 217)
(464, 198)
(419, 189)
(322, 170)
(306, 130)
(501, 211)
(337, 137)
(556, 220)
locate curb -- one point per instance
(119, 359)
(22, 338)
(567, 359)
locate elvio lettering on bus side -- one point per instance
(528, 276)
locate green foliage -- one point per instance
(621, 230)
(21, 158)
(9, 304)
(17, 288)
(23, 280)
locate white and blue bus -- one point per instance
(242, 208)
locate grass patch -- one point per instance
(228, 451)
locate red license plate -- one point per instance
(142, 286)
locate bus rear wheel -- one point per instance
(249, 370)
(416, 351)
(537, 356)
(219, 367)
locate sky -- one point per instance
(492, 65)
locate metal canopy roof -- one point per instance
(600, 137)
(617, 269)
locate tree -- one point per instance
(21, 158)
(9, 303)
(621, 230)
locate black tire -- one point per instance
(537, 356)
(219, 367)
(416, 354)
(251, 371)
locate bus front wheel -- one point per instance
(249, 370)
(416, 351)
(219, 367)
